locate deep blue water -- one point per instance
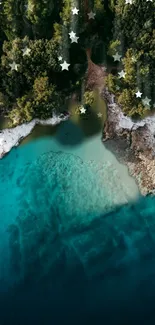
(77, 243)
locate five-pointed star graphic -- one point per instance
(14, 66)
(74, 39)
(122, 74)
(146, 101)
(128, 2)
(91, 15)
(117, 57)
(64, 65)
(60, 58)
(138, 94)
(82, 110)
(99, 114)
(72, 34)
(26, 51)
(75, 11)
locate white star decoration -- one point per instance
(146, 101)
(91, 15)
(99, 114)
(64, 65)
(138, 94)
(26, 51)
(117, 57)
(82, 110)
(72, 34)
(14, 66)
(75, 11)
(74, 39)
(122, 74)
(60, 58)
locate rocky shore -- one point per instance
(133, 143)
(10, 138)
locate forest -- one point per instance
(43, 46)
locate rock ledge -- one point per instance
(133, 143)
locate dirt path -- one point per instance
(95, 74)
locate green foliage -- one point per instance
(39, 86)
(57, 33)
(11, 19)
(130, 105)
(134, 40)
(43, 97)
(114, 46)
(3, 100)
(23, 112)
(98, 4)
(130, 69)
(89, 97)
(66, 11)
(110, 82)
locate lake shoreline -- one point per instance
(11, 137)
(133, 143)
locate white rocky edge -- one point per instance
(125, 122)
(10, 138)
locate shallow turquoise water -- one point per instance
(105, 181)
(72, 174)
(70, 256)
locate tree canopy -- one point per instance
(134, 40)
(35, 40)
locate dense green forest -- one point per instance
(43, 46)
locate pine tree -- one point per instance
(134, 40)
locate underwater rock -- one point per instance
(57, 221)
(73, 261)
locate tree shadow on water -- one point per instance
(69, 132)
(73, 133)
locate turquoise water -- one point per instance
(75, 236)
(91, 175)
(67, 172)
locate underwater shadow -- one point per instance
(71, 133)
(88, 283)
(68, 132)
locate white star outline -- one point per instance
(65, 65)
(14, 66)
(75, 11)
